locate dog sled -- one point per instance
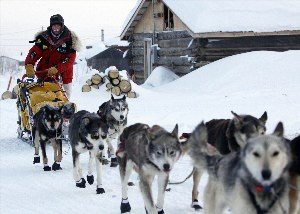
(32, 96)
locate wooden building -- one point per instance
(185, 35)
(112, 56)
(9, 65)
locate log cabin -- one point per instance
(184, 35)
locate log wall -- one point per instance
(181, 53)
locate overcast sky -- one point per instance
(21, 19)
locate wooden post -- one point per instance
(147, 58)
(153, 19)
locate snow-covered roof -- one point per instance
(223, 16)
(99, 47)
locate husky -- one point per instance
(115, 113)
(224, 135)
(250, 181)
(150, 151)
(46, 128)
(294, 180)
(87, 132)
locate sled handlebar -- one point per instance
(40, 72)
(47, 77)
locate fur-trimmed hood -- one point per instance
(76, 43)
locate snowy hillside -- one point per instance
(248, 83)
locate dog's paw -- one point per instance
(36, 159)
(113, 162)
(125, 207)
(100, 190)
(196, 205)
(161, 211)
(90, 179)
(56, 166)
(130, 183)
(81, 183)
(47, 168)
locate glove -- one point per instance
(52, 71)
(29, 70)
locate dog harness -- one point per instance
(114, 124)
(51, 132)
(153, 164)
(83, 139)
(274, 191)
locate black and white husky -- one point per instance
(251, 180)
(47, 128)
(87, 132)
(115, 113)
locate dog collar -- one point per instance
(153, 164)
(259, 188)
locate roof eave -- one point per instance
(124, 32)
(243, 34)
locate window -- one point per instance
(168, 19)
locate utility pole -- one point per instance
(102, 35)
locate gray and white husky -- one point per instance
(227, 135)
(150, 151)
(114, 112)
(87, 132)
(250, 181)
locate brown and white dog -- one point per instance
(46, 129)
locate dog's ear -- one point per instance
(151, 133)
(237, 119)
(279, 130)
(46, 108)
(175, 131)
(112, 99)
(264, 117)
(60, 109)
(154, 132)
(85, 121)
(124, 97)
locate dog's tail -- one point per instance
(201, 152)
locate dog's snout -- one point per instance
(122, 117)
(101, 147)
(166, 167)
(266, 174)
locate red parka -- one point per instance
(59, 53)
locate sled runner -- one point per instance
(34, 95)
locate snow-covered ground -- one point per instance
(249, 83)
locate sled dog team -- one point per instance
(250, 172)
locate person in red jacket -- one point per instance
(55, 49)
